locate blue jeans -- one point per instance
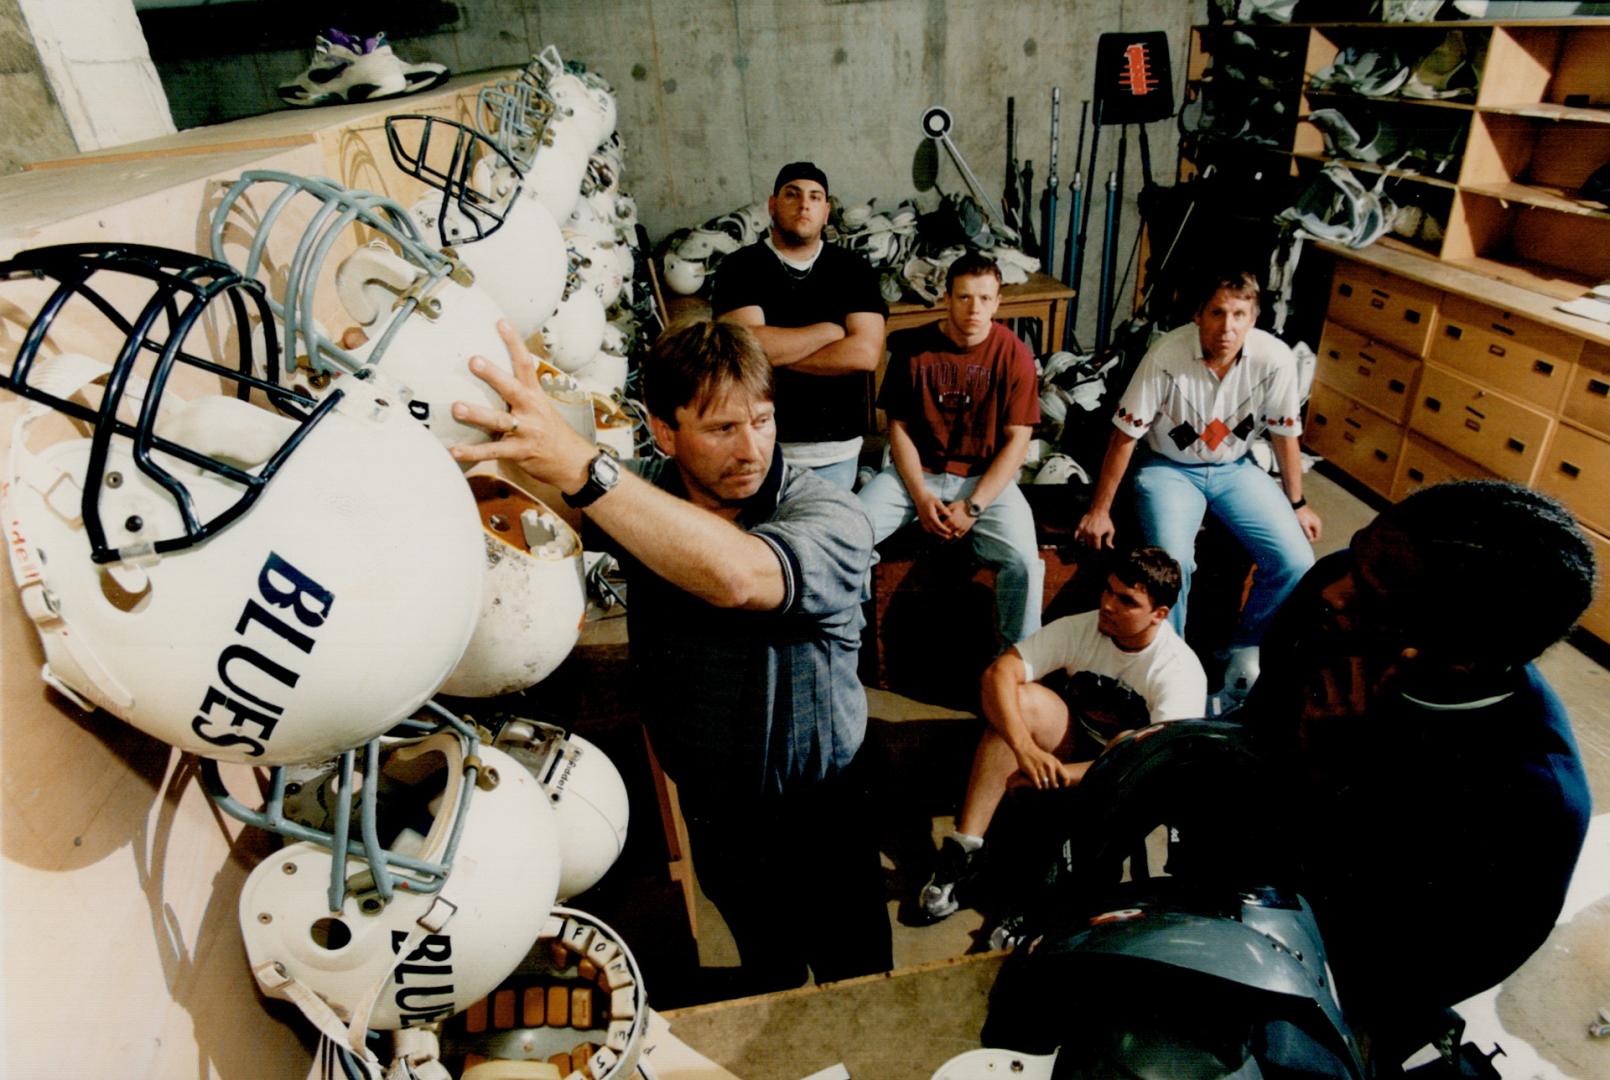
(840, 473)
(1003, 538)
(1170, 500)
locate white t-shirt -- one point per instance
(1189, 415)
(1166, 674)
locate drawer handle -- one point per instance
(1362, 355)
(1477, 413)
(1515, 445)
(1319, 418)
(1378, 305)
(1380, 455)
(1433, 404)
(1334, 354)
(1349, 437)
(1570, 470)
(1598, 388)
(1472, 425)
(1362, 370)
(1453, 331)
(1542, 367)
(1382, 293)
(1502, 329)
(1350, 422)
(1496, 350)
(1345, 289)
(1397, 386)
(1412, 315)
(1417, 476)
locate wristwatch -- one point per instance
(1300, 503)
(973, 509)
(603, 473)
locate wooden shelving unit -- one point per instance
(1444, 355)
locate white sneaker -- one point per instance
(347, 69)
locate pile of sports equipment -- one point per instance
(239, 529)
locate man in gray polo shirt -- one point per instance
(744, 580)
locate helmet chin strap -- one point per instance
(276, 982)
(71, 665)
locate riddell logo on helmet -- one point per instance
(432, 958)
(282, 586)
(420, 410)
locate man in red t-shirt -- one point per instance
(962, 400)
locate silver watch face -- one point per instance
(605, 471)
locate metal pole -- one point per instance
(1048, 201)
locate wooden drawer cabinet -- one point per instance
(1424, 463)
(1576, 470)
(1390, 309)
(1587, 399)
(1522, 358)
(1376, 374)
(1596, 620)
(1494, 431)
(1358, 439)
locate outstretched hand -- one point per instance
(531, 434)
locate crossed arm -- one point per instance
(823, 348)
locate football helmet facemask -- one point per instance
(445, 886)
(206, 569)
(419, 315)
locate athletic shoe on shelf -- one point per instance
(938, 897)
(1444, 73)
(347, 69)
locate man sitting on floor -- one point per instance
(1126, 667)
(962, 400)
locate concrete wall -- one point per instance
(99, 69)
(716, 94)
(32, 126)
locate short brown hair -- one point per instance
(1152, 569)
(1242, 284)
(972, 264)
(695, 362)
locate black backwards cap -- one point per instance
(799, 170)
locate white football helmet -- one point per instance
(575, 333)
(533, 599)
(484, 217)
(450, 884)
(217, 574)
(416, 310)
(604, 374)
(683, 276)
(591, 114)
(588, 795)
(597, 266)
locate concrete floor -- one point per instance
(1539, 1016)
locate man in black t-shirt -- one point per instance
(818, 314)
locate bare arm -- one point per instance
(786, 346)
(1096, 527)
(692, 548)
(1002, 686)
(860, 349)
(1291, 478)
(934, 515)
(1007, 464)
(1001, 682)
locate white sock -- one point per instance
(969, 843)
